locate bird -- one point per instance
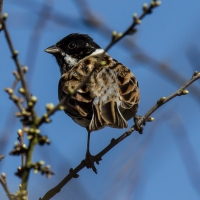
(111, 95)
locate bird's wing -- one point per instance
(128, 86)
(78, 106)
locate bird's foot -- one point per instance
(139, 123)
(90, 162)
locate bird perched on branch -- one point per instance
(109, 97)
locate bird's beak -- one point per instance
(52, 49)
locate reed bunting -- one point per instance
(111, 95)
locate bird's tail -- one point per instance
(107, 115)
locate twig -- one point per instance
(165, 70)
(15, 58)
(29, 99)
(114, 142)
(5, 187)
(1, 7)
(21, 141)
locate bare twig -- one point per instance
(5, 187)
(21, 141)
(15, 58)
(165, 70)
(1, 7)
(114, 142)
(29, 100)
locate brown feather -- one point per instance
(110, 97)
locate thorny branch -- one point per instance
(114, 142)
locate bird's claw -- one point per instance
(90, 160)
(139, 123)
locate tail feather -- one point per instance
(107, 115)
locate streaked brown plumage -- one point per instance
(111, 95)
(109, 98)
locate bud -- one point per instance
(9, 90)
(5, 16)
(120, 34)
(161, 100)
(22, 90)
(49, 106)
(41, 162)
(195, 73)
(25, 69)
(34, 99)
(30, 104)
(184, 92)
(20, 132)
(15, 53)
(114, 35)
(3, 175)
(145, 7)
(150, 119)
(37, 131)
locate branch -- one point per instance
(114, 142)
(5, 187)
(1, 7)
(15, 58)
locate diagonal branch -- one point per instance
(114, 142)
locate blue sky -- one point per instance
(163, 162)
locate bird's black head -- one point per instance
(71, 49)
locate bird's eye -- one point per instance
(72, 45)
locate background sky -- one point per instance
(163, 162)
